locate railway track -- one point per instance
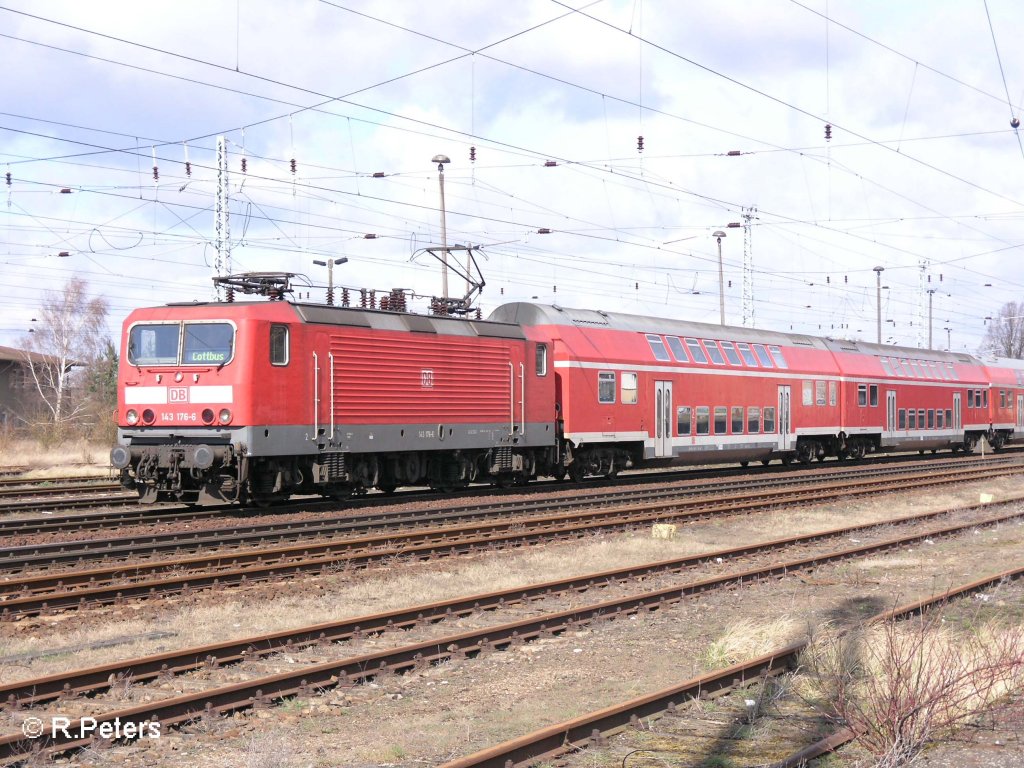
(306, 680)
(90, 681)
(15, 559)
(594, 728)
(32, 595)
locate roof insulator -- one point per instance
(550, 163)
(733, 225)
(378, 174)
(369, 236)
(66, 191)
(734, 153)
(543, 231)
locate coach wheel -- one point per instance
(804, 454)
(744, 463)
(857, 450)
(970, 443)
(765, 462)
(997, 441)
(787, 460)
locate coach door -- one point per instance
(958, 423)
(663, 418)
(890, 411)
(1020, 411)
(785, 426)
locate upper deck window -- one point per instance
(748, 356)
(658, 347)
(714, 352)
(762, 355)
(730, 352)
(776, 353)
(696, 351)
(678, 352)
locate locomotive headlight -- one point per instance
(148, 417)
(207, 416)
(132, 417)
(225, 416)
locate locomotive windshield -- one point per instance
(199, 344)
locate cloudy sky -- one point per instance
(732, 98)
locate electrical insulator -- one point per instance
(156, 173)
(293, 164)
(1014, 123)
(330, 296)
(472, 154)
(344, 297)
(230, 294)
(846, 278)
(828, 280)
(244, 164)
(188, 168)
(501, 291)
(639, 143)
(828, 132)
(554, 289)
(479, 314)
(8, 178)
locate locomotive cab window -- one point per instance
(207, 344)
(279, 344)
(606, 387)
(658, 347)
(155, 344)
(542, 359)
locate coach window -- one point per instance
(542, 359)
(695, 351)
(677, 349)
(903, 418)
(931, 418)
(714, 352)
(1002, 398)
(721, 419)
(832, 388)
(684, 418)
(737, 419)
(873, 395)
(916, 368)
(862, 394)
(938, 419)
(730, 352)
(769, 420)
(984, 398)
(819, 393)
(703, 420)
(776, 352)
(629, 389)
(762, 355)
(885, 365)
(746, 354)
(753, 419)
(606, 387)
(949, 417)
(808, 391)
(911, 419)
(952, 372)
(279, 344)
(920, 418)
(658, 347)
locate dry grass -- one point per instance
(748, 639)
(78, 458)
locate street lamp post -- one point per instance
(441, 160)
(721, 279)
(330, 275)
(878, 302)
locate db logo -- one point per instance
(427, 378)
(178, 394)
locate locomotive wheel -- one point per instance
(387, 489)
(577, 472)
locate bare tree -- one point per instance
(1005, 334)
(70, 333)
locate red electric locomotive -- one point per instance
(254, 401)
